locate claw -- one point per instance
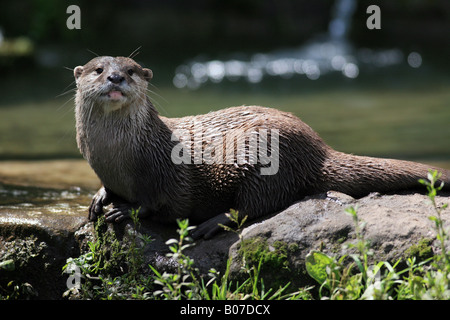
(100, 199)
(118, 213)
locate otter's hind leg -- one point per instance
(211, 227)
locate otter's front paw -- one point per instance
(102, 198)
(119, 212)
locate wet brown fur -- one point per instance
(130, 150)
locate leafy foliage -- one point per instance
(114, 271)
(429, 279)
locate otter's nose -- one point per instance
(116, 78)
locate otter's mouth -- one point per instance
(115, 94)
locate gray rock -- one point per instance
(55, 221)
(393, 224)
(37, 232)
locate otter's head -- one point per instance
(112, 82)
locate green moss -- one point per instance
(421, 251)
(109, 252)
(23, 251)
(293, 247)
(271, 261)
(273, 256)
(21, 261)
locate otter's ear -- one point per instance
(148, 74)
(77, 72)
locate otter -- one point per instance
(143, 160)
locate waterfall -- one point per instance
(322, 55)
(340, 23)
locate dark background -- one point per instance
(171, 31)
(396, 111)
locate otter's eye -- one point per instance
(99, 70)
(130, 72)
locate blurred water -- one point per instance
(324, 54)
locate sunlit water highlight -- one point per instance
(329, 53)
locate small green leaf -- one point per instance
(316, 264)
(7, 265)
(171, 241)
(358, 262)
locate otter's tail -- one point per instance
(358, 176)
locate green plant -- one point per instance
(338, 276)
(110, 269)
(255, 254)
(183, 284)
(233, 215)
(442, 235)
(381, 280)
(435, 283)
(186, 283)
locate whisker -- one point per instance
(66, 91)
(95, 54)
(62, 106)
(91, 107)
(154, 92)
(67, 109)
(135, 52)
